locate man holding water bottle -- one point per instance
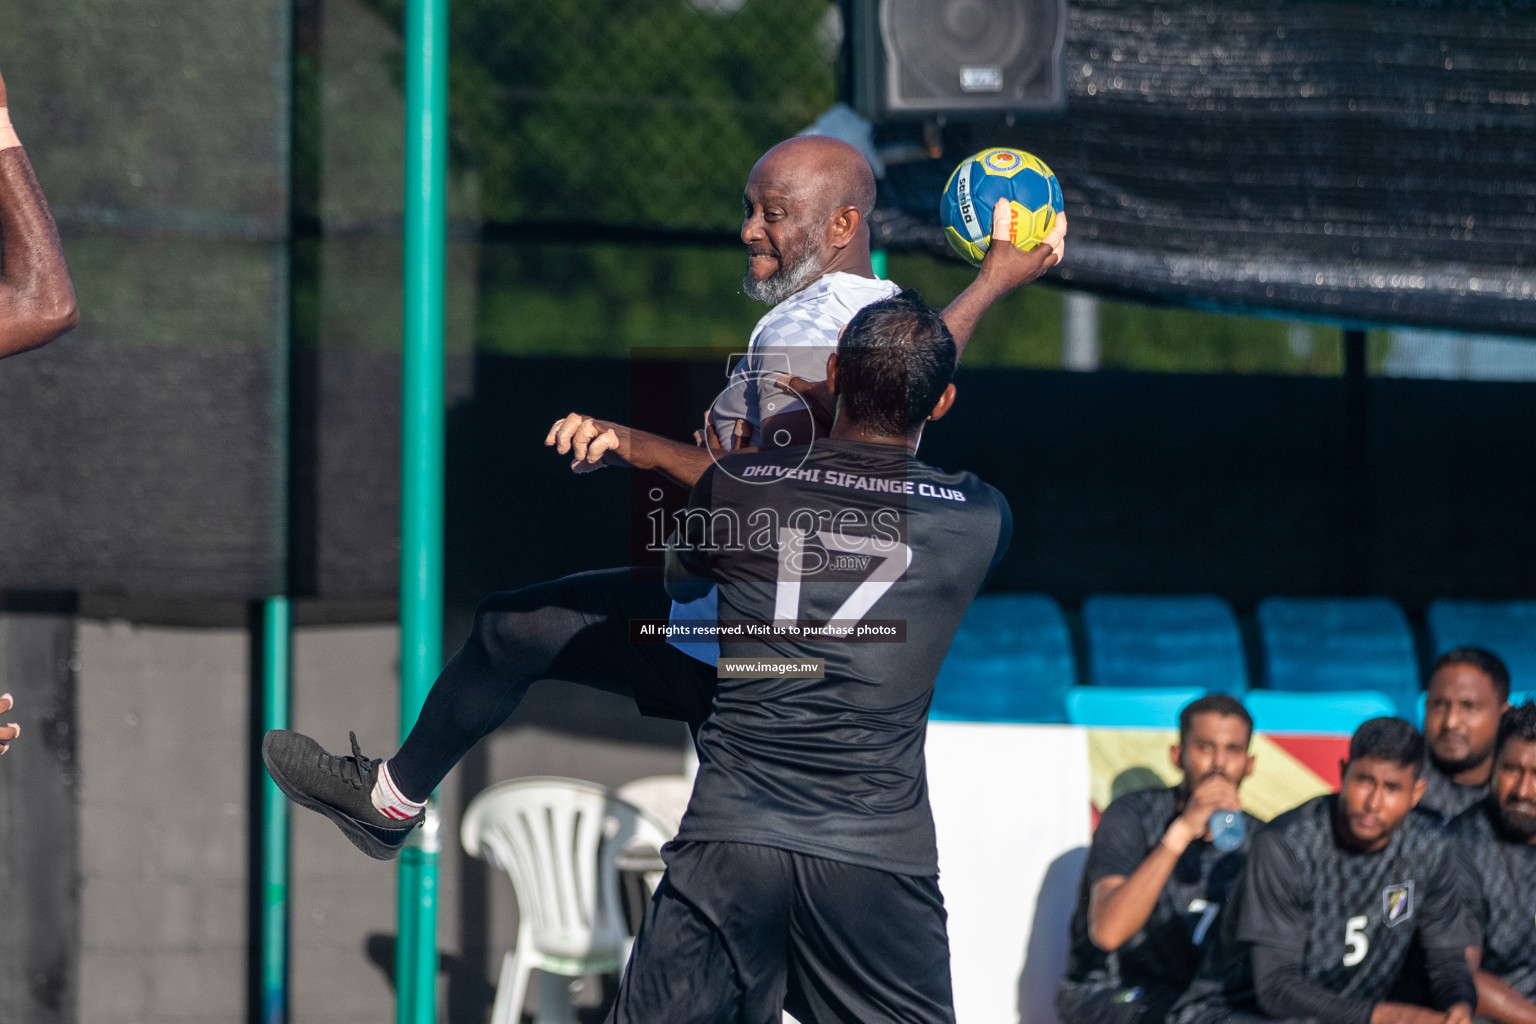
(1334, 895)
(1161, 865)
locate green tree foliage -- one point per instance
(649, 114)
(1138, 337)
(626, 112)
(611, 299)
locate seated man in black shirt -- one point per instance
(1499, 837)
(1154, 883)
(1332, 896)
(1468, 691)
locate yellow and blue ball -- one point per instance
(965, 209)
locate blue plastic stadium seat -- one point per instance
(1314, 645)
(1011, 661)
(1145, 641)
(1507, 628)
(1337, 713)
(1121, 707)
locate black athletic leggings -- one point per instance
(574, 630)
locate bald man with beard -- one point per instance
(37, 299)
(806, 229)
(805, 223)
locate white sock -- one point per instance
(388, 799)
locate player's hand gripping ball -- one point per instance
(979, 182)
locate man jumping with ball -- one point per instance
(807, 236)
(805, 873)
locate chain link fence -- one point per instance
(628, 113)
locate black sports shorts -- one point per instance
(737, 934)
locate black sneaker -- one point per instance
(338, 787)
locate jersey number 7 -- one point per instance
(794, 557)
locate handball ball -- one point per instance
(979, 182)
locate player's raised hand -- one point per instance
(591, 443)
(1213, 793)
(1461, 1013)
(10, 730)
(1007, 267)
(2, 91)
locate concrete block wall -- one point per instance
(163, 719)
(345, 678)
(164, 828)
(39, 823)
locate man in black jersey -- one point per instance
(1468, 691)
(804, 876)
(1333, 894)
(1154, 884)
(807, 237)
(1499, 837)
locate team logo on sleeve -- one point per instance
(1397, 903)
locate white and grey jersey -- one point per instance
(795, 337)
(1444, 798)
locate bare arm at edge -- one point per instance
(37, 298)
(1004, 269)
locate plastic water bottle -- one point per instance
(1227, 830)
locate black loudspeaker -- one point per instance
(932, 59)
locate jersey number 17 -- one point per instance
(795, 558)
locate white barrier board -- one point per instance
(1011, 806)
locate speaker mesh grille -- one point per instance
(969, 54)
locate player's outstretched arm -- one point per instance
(1282, 990)
(593, 444)
(1004, 269)
(37, 299)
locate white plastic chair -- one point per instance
(558, 840)
(663, 798)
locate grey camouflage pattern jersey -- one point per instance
(1503, 897)
(1351, 916)
(1444, 799)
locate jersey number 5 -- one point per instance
(1354, 938)
(894, 558)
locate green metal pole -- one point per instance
(421, 478)
(275, 661)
